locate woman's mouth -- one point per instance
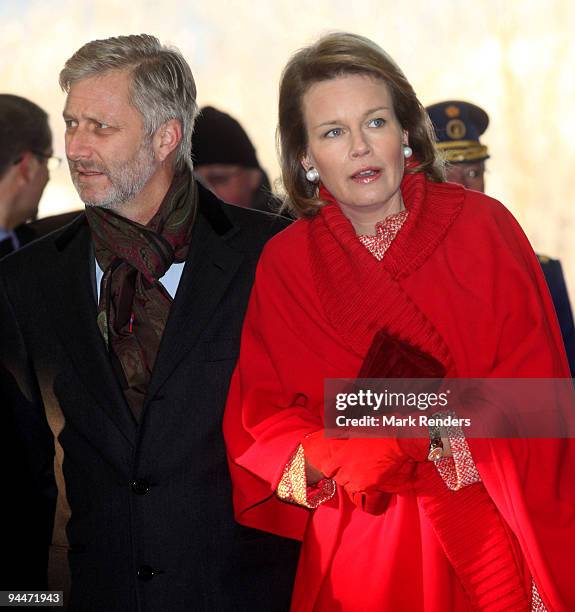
(366, 175)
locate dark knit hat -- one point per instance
(220, 139)
(458, 126)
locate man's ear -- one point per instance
(27, 167)
(166, 138)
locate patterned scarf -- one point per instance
(133, 307)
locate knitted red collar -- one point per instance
(361, 295)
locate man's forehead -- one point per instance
(109, 90)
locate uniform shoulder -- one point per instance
(545, 260)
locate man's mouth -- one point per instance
(87, 174)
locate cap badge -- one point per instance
(455, 129)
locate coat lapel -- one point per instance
(74, 312)
(209, 269)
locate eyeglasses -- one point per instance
(52, 162)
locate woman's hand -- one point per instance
(361, 464)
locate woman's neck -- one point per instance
(365, 218)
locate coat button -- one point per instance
(145, 572)
(140, 487)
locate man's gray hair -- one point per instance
(162, 88)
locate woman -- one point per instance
(391, 272)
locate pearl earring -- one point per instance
(407, 151)
(312, 175)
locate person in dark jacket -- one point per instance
(26, 158)
(118, 350)
(226, 160)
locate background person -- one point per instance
(26, 157)
(391, 272)
(225, 159)
(458, 126)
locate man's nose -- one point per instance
(78, 144)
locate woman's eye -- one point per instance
(333, 133)
(378, 122)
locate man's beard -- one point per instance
(126, 178)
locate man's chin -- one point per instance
(107, 204)
(111, 203)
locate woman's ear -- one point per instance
(306, 162)
(405, 139)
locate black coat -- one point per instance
(28, 232)
(151, 525)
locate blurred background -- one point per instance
(516, 59)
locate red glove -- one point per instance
(362, 464)
(370, 468)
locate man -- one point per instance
(225, 159)
(122, 364)
(26, 158)
(458, 126)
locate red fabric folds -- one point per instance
(486, 558)
(461, 284)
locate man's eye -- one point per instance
(102, 126)
(333, 133)
(378, 122)
(71, 123)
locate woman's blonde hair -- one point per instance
(331, 56)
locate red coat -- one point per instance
(461, 282)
